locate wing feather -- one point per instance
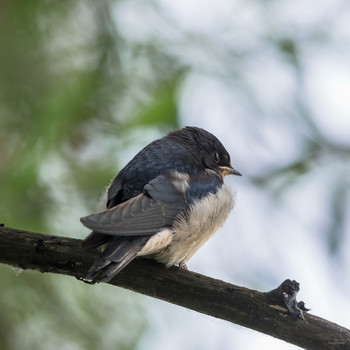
(127, 227)
(142, 215)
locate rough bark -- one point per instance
(263, 312)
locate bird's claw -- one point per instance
(183, 265)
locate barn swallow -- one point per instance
(164, 204)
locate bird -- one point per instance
(164, 204)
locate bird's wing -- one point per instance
(159, 157)
(142, 215)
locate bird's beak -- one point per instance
(228, 170)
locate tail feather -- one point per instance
(112, 269)
(120, 251)
(95, 239)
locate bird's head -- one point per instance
(208, 150)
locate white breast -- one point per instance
(190, 233)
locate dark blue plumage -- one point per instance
(165, 203)
(188, 150)
(150, 162)
(200, 185)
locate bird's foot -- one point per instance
(183, 265)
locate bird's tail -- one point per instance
(119, 252)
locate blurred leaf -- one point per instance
(339, 211)
(162, 109)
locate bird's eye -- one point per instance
(217, 157)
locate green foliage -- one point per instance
(63, 118)
(50, 312)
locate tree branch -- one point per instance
(263, 312)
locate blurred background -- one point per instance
(84, 85)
